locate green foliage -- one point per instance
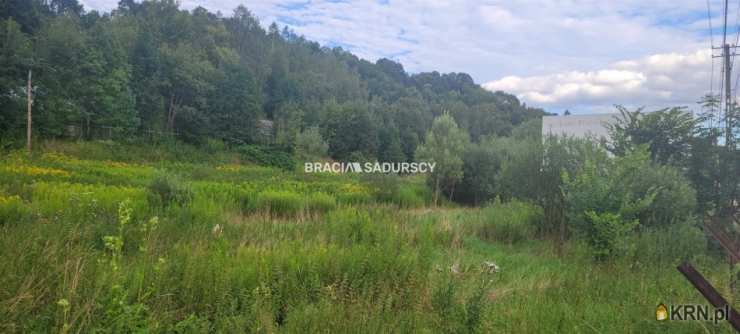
(120, 315)
(351, 132)
(354, 195)
(16, 49)
(95, 259)
(609, 234)
(74, 202)
(310, 143)
(668, 133)
(13, 210)
(528, 168)
(408, 197)
(158, 72)
(687, 242)
(320, 202)
(444, 145)
(268, 156)
(510, 222)
(481, 168)
(458, 317)
(281, 203)
(166, 189)
(627, 191)
(406, 192)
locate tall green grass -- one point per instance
(510, 222)
(85, 248)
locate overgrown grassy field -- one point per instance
(100, 237)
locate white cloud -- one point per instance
(655, 81)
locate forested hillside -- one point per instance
(152, 66)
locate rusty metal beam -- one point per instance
(709, 292)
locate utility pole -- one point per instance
(727, 67)
(728, 95)
(29, 97)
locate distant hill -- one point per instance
(151, 66)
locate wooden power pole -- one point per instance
(29, 97)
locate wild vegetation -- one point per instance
(165, 194)
(104, 237)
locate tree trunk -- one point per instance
(452, 191)
(171, 113)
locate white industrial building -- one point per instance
(579, 126)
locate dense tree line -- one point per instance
(665, 169)
(151, 66)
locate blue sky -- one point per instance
(558, 54)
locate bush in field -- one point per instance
(458, 317)
(384, 186)
(269, 156)
(320, 202)
(611, 196)
(391, 188)
(246, 199)
(310, 143)
(12, 210)
(407, 197)
(686, 240)
(510, 222)
(609, 235)
(481, 166)
(165, 189)
(282, 203)
(634, 187)
(444, 145)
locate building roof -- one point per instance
(579, 126)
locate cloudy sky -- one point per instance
(584, 56)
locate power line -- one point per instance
(737, 40)
(711, 73)
(727, 78)
(724, 27)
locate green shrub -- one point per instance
(384, 186)
(12, 210)
(165, 189)
(282, 203)
(510, 222)
(458, 317)
(320, 202)
(633, 187)
(268, 156)
(391, 188)
(610, 234)
(408, 197)
(310, 143)
(621, 194)
(446, 307)
(247, 200)
(84, 202)
(214, 146)
(199, 211)
(686, 241)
